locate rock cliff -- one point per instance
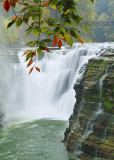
(91, 126)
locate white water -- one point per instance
(48, 94)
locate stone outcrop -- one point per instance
(91, 126)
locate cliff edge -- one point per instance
(91, 126)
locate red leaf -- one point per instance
(45, 3)
(31, 70)
(80, 41)
(37, 69)
(47, 49)
(6, 5)
(14, 18)
(55, 41)
(30, 62)
(11, 3)
(22, 18)
(26, 52)
(59, 44)
(16, 1)
(34, 53)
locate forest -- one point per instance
(98, 17)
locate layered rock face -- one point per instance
(91, 126)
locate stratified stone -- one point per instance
(90, 99)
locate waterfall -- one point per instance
(48, 94)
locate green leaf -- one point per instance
(49, 32)
(10, 24)
(29, 42)
(39, 51)
(28, 56)
(25, 18)
(24, 9)
(36, 1)
(92, 1)
(47, 40)
(44, 29)
(62, 30)
(73, 33)
(35, 31)
(85, 27)
(33, 44)
(29, 30)
(18, 22)
(70, 41)
(42, 44)
(35, 17)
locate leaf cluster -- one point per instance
(57, 31)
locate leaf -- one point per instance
(92, 1)
(44, 29)
(66, 37)
(22, 18)
(28, 56)
(34, 43)
(70, 41)
(31, 70)
(73, 33)
(30, 62)
(11, 3)
(39, 51)
(6, 5)
(36, 1)
(35, 17)
(14, 18)
(45, 3)
(26, 52)
(67, 11)
(28, 30)
(53, 6)
(24, 9)
(80, 40)
(35, 31)
(61, 36)
(47, 49)
(37, 69)
(85, 27)
(34, 53)
(16, 1)
(18, 22)
(29, 42)
(47, 40)
(55, 41)
(10, 24)
(59, 43)
(25, 18)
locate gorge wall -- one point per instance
(91, 126)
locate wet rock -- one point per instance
(91, 126)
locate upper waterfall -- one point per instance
(48, 94)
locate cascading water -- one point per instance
(48, 94)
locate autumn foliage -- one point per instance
(11, 3)
(57, 31)
(55, 40)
